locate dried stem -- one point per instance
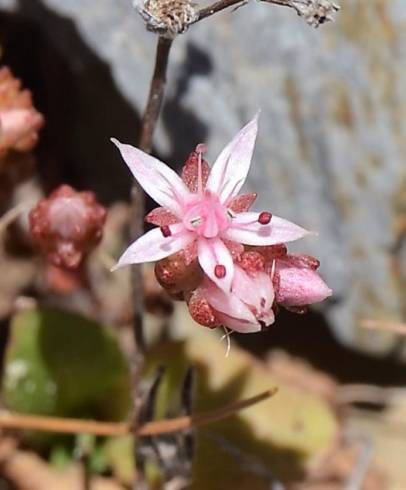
(385, 326)
(148, 124)
(149, 121)
(315, 12)
(156, 92)
(11, 420)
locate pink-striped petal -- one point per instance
(228, 304)
(230, 170)
(246, 229)
(238, 325)
(153, 246)
(161, 217)
(213, 255)
(156, 178)
(256, 290)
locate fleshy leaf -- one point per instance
(62, 364)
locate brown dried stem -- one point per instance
(148, 124)
(156, 93)
(9, 420)
(384, 326)
(315, 12)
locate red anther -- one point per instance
(264, 218)
(220, 271)
(166, 231)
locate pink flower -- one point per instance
(204, 214)
(246, 308)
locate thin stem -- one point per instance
(148, 124)
(9, 420)
(149, 121)
(309, 9)
(156, 93)
(384, 325)
(216, 7)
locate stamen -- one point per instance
(200, 149)
(196, 221)
(264, 218)
(220, 271)
(227, 336)
(166, 231)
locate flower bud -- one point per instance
(19, 120)
(67, 225)
(176, 275)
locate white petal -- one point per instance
(154, 246)
(238, 325)
(228, 304)
(156, 178)
(246, 229)
(230, 170)
(212, 252)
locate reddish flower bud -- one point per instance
(252, 262)
(67, 225)
(272, 252)
(201, 311)
(176, 275)
(19, 120)
(296, 282)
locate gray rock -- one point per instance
(331, 148)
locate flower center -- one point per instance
(206, 216)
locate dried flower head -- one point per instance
(67, 225)
(315, 12)
(167, 18)
(19, 120)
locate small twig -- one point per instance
(12, 214)
(148, 124)
(9, 420)
(156, 93)
(383, 325)
(149, 121)
(358, 475)
(363, 393)
(315, 12)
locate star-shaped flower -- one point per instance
(205, 213)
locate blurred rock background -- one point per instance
(330, 152)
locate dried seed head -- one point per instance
(316, 12)
(167, 17)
